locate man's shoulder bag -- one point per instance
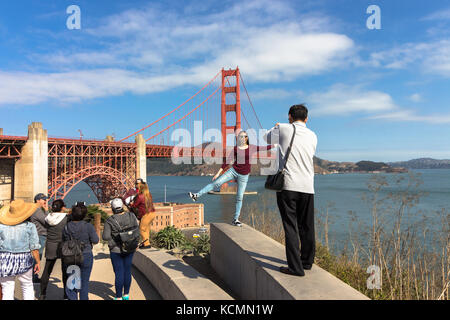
(276, 181)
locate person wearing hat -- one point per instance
(121, 220)
(19, 245)
(55, 223)
(38, 218)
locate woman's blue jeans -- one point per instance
(229, 175)
(122, 269)
(86, 269)
(85, 274)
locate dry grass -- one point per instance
(394, 240)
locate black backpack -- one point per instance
(72, 250)
(128, 238)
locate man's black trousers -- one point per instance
(297, 214)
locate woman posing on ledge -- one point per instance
(240, 170)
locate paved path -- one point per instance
(101, 285)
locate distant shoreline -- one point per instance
(321, 167)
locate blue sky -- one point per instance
(378, 95)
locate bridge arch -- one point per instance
(105, 182)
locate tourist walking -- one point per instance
(121, 259)
(84, 232)
(144, 203)
(240, 160)
(296, 200)
(19, 249)
(56, 221)
(38, 218)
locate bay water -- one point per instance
(339, 193)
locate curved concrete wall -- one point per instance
(248, 261)
(174, 279)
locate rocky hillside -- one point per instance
(165, 167)
(423, 163)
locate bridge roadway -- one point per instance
(101, 285)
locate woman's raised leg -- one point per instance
(227, 176)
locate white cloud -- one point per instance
(412, 116)
(438, 15)
(433, 57)
(276, 54)
(275, 94)
(74, 86)
(153, 49)
(416, 97)
(343, 100)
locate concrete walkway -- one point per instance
(101, 285)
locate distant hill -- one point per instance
(165, 167)
(361, 166)
(422, 163)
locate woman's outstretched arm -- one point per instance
(217, 174)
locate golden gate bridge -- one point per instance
(110, 167)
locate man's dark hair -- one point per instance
(79, 212)
(57, 205)
(298, 112)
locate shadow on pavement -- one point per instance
(142, 282)
(101, 255)
(187, 270)
(102, 289)
(259, 257)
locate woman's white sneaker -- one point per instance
(236, 223)
(193, 196)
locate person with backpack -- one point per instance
(55, 223)
(84, 232)
(121, 230)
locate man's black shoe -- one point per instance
(145, 247)
(307, 267)
(290, 272)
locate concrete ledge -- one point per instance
(248, 261)
(174, 279)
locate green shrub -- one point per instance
(170, 237)
(92, 211)
(187, 247)
(202, 245)
(197, 246)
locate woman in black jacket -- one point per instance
(84, 232)
(55, 222)
(121, 220)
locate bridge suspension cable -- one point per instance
(185, 116)
(250, 100)
(177, 108)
